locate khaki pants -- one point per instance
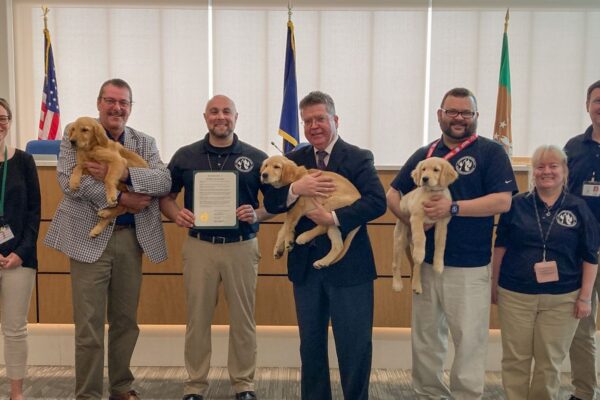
(534, 327)
(15, 294)
(205, 267)
(111, 287)
(583, 352)
(457, 300)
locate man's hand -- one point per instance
(10, 261)
(314, 184)
(98, 171)
(135, 201)
(185, 218)
(437, 207)
(246, 213)
(320, 216)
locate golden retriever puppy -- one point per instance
(432, 177)
(92, 144)
(280, 171)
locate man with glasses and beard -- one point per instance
(458, 299)
(106, 271)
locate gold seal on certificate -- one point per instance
(215, 199)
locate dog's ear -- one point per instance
(416, 173)
(288, 172)
(99, 134)
(448, 175)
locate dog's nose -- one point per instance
(425, 179)
(265, 175)
(73, 142)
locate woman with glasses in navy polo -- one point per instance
(19, 225)
(544, 266)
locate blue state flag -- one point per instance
(288, 125)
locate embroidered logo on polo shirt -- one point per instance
(566, 218)
(465, 165)
(243, 164)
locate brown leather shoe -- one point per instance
(131, 395)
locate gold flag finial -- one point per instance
(289, 10)
(506, 20)
(45, 10)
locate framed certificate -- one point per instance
(215, 199)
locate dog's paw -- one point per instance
(104, 213)
(416, 287)
(278, 252)
(74, 184)
(438, 267)
(397, 285)
(320, 264)
(289, 246)
(112, 201)
(302, 239)
(95, 232)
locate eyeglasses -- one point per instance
(319, 120)
(456, 113)
(111, 102)
(4, 120)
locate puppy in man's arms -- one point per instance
(89, 139)
(279, 171)
(432, 177)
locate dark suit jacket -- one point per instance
(358, 265)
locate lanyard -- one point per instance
(4, 169)
(537, 216)
(455, 150)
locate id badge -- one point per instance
(591, 189)
(546, 271)
(6, 234)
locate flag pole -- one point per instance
(506, 18)
(45, 10)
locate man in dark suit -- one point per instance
(342, 292)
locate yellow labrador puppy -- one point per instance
(280, 171)
(432, 177)
(92, 144)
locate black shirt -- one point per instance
(202, 156)
(483, 168)
(22, 208)
(574, 238)
(584, 164)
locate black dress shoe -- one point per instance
(192, 397)
(574, 398)
(249, 395)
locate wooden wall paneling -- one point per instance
(392, 309)
(162, 300)
(267, 235)
(55, 302)
(175, 237)
(50, 260)
(51, 192)
(275, 301)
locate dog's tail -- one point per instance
(347, 242)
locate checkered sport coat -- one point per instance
(76, 214)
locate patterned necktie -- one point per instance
(321, 154)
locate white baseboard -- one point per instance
(278, 346)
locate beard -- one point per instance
(470, 129)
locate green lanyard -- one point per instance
(4, 169)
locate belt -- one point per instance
(121, 227)
(222, 239)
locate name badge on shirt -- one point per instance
(6, 234)
(591, 189)
(546, 271)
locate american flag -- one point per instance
(50, 116)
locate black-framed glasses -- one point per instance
(4, 120)
(111, 102)
(456, 113)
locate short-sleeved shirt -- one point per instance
(483, 167)
(573, 238)
(583, 156)
(202, 156)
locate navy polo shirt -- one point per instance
(574, 238)
(583, 157)
(202, 156)
(483, 168)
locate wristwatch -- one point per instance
(454, 208)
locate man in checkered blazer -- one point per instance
(106, 271)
